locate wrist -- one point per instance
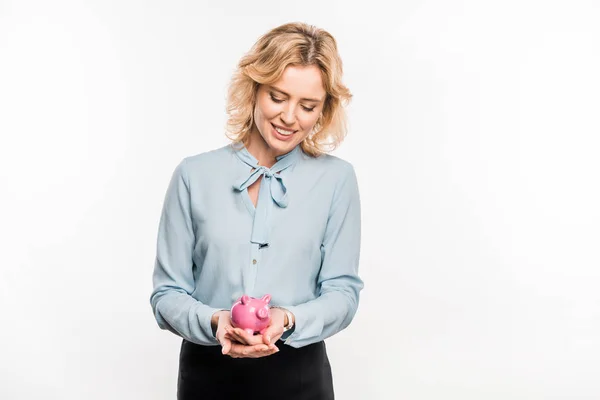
(214, 320)
(288, 318)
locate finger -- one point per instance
(272, 334)
(236, 336)
(268, 334)
(235, 350)
(259, 349)
(270, 351)
(267, 337)
(249, 339)
(221, 336)
(257, 354)
(226, 346)
(231, 336)
(276, 337)
(237, 333)
(244, 337)
(247, 351)
(252, 351)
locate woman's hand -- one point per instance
(241, 336)
(269, 337)
(235, 349)
(275, 329)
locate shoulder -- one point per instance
(198, 164)
(335, 167)
(215, 158)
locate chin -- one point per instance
(281, 148)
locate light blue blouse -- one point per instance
(301, 243)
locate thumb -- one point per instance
(226, 345)
(269, 333)
(223, 341)
(267, 336)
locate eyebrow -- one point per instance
(281, 91)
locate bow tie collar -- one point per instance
(273, 189)
(277, 189)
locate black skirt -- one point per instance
(291, 374)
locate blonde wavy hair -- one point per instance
(297, 44)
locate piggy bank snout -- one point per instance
(250, 313)
(262, 313)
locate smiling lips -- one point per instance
(282, 131)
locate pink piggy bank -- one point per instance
(251, 314)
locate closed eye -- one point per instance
(277, 100)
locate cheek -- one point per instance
(268, 110)
(308, 121)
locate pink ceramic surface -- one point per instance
(251, 314)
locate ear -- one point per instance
(266, 298)
(245, 299)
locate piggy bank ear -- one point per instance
(266, 298)
(245, 299)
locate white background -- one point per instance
(474, 132)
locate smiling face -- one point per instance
(286, 112)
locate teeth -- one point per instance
(283, 132)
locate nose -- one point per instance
(288, 116)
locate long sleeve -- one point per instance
(173, 306)
(338, 282)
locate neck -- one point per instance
(260, 150)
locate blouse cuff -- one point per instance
(307, 326)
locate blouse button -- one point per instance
(254, 261)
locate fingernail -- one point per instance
(268, 338)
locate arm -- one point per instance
(338, 281)
(174, 307)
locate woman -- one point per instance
(270, 213)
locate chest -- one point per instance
(225, 222)
(253, 191)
